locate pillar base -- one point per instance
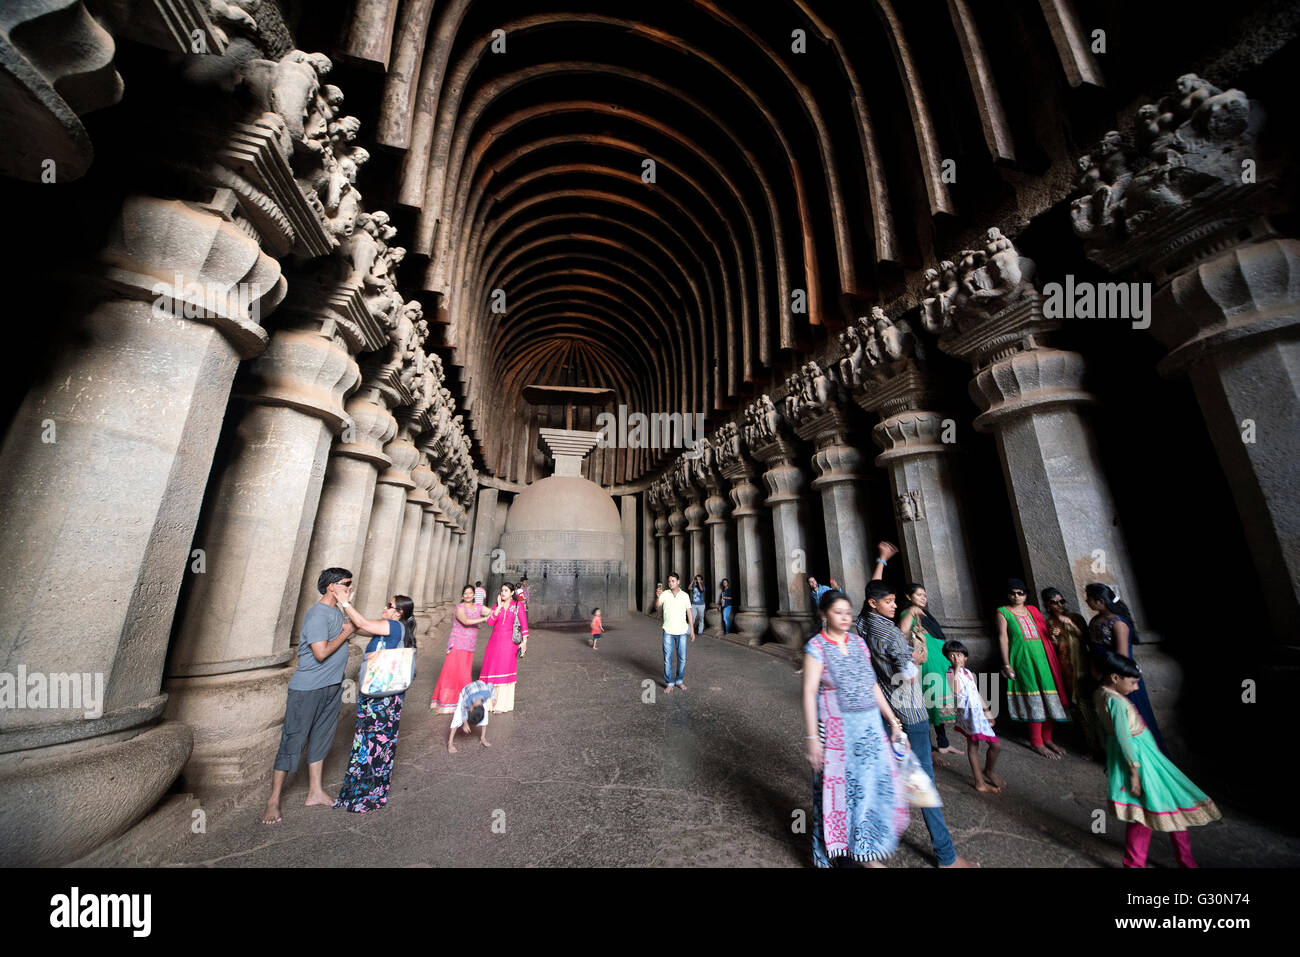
(58, 803)
(792, 631)
(236, 720)
(754, 626)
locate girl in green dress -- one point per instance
(918, 624)
(1035, 692)
(1146, 790)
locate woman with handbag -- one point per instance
(507, 644)
(370, 766)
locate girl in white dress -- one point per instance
(973, 717)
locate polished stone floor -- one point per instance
(588, 770)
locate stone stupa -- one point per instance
(565, 534)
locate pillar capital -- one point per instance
(986, 307)
(1037, 380)
(302, 368)
(1179, 186)
(192, 264)
(767, 433)
(403, 456)
(1244, 293)
(814, 405)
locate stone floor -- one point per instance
(590, 770)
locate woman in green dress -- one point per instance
(918, 624)
(1146, 790)
(1035, 692)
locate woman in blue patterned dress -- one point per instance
(374, 746)
(859, 807)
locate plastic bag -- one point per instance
(917, 786)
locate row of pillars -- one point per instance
(186, 603)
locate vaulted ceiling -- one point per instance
(672, 199)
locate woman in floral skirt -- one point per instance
(374, 746)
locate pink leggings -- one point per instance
(1138, 840)
(1040, 732)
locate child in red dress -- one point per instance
(596, 629)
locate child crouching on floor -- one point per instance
(471, 709)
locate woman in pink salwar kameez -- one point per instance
(500, 659)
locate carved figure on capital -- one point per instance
(810, 391)
(988, 280)
(762, 422)
(1193, 141)
(877, 348)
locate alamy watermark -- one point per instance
(658, 430)
(1098, 300)
(191, 300)
(73, 690)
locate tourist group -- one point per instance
(316, 688)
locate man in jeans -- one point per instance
(315, 691)
(698, 596)
(678, 617)
(896, 667)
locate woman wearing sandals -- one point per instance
(500, 660)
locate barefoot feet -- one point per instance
(272, 815)
(987, 787)
(1045, 751)
(962, 862)
(995, 781)
(316, 798)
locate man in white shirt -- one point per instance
(678, 618)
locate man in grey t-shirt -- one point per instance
(311, 714)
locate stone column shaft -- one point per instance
(787, 487)
(376, 574)
(233, 642)
(627, 513)
(931, 523)
(751, 611)
(699, 555)
(486, 533)
(102, 474)
(719, 530)
(678, 542)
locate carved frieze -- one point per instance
(1184, 174)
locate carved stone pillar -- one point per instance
(751, 619)
(884, 366)
(787, 488)
(718, 524)
(422, 475)
(102, 473)
(375, 576)
(486, 533)
(1183, 210)
(814, 407)
(437, 538)
(677, 538)
(230, 660)
(1030, 395)
(627, 515)
(339, 535)
(649, 554)
(412, 522)
(661, 538)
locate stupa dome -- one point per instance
(563, 517)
